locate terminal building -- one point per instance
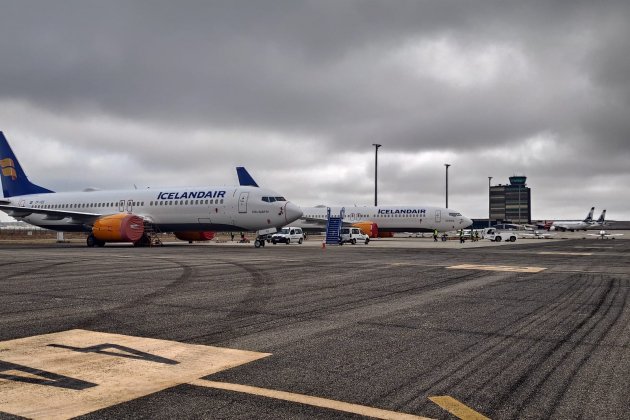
(511, 203)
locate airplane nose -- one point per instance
(467, 221)
(292, 212)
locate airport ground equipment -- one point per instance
(498, 236)
(333, 226)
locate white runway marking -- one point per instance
(70, 373)
(508, 268)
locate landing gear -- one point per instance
(143, 241)
(91, 241)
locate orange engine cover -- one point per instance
(194, 236)
(368, 228)
(121, 227)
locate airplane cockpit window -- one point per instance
(455, 214)
(280, 199)
(272, 199)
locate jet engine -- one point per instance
(121, 227)
(194, 236)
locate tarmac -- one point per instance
(400, 328)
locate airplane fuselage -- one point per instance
(169, 209)
(390, 218)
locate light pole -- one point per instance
(489, 200)
(376, 146)
(447, 165)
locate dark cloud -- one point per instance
(302, 89)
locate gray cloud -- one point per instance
(152, 92)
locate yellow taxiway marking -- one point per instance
(70, 373)
(563, 253)
(457, 409)
(498, 268)
(309, 400)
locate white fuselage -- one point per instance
(208, 208)
(570, 225)
(390, 218)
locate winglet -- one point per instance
(14, 180)
(244, 178)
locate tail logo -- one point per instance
(8, 168)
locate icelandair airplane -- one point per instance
(383, 220)
(132, 215)
(574, 225)
(380, 220)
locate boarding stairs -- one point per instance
(152, 232)
(333, 226)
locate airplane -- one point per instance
(537, 234)
(605, 235)
(573, 225)
(134, 215)
(379, 221)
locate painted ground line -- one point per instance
(309, 400)
(457, 409)
(563, 253)
(508, 268)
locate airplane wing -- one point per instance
(74, 216)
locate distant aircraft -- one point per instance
(132, 215)
(605, 235)
(537, 234)
(573, 225)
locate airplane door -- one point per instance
(121, 205)
(129, 206)
(242, 202)
(438, 216)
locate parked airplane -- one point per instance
(374, 221)
(573, 225)
(605, 235)
(132, 215)
(378, 221)
(537, 234)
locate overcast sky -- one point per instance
(109, 94)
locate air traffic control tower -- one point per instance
(511, 203)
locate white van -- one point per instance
(287, 235)
(353, 235)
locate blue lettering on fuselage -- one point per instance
(190, 194)
(402, 211)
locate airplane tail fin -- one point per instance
(589, 218)
(14, 180)
(244, 178)
(602, 218)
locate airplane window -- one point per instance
(271, 199)
(265, 199)
(161, 203)
(280, 199)
(196, 201)
(206, 201)
(221, 201)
